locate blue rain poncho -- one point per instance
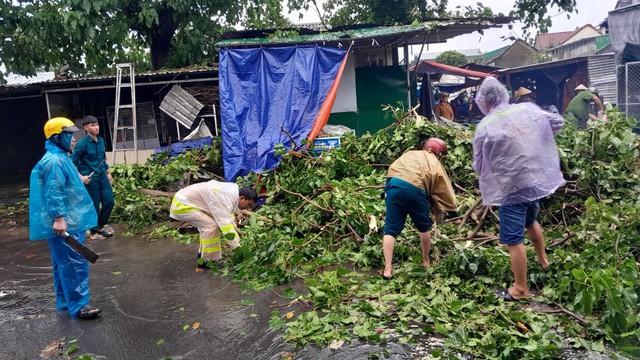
(57, 191)
(515, 152)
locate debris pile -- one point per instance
(322, 224)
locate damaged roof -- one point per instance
(436, 30)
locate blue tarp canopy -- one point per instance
(264, 89)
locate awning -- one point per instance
(363, 35)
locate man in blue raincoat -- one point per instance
(59, 204)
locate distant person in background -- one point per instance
(461, 105)
(577, 112)
(523, 95)
(444, 109)
(90, 159)
(474, 111)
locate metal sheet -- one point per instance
(439, 30)
(181, 106)
(603, 75)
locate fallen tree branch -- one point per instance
(157, 193)
(353, 231)
(290, 137)
(296, 300)
(478, 237)
(475, 230)
(489, 239)
(369, 187)
(312, 196)
(566, 237)
(318, 234)
(452, 219)
(565, 311)
(466, 215)
(301, 196)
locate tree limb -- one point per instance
(466, 215)
(301, 196)
(295, 145)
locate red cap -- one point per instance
(435, 145)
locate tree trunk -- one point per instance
(161, 36)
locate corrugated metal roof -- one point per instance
(602, 42)
(354, 34)
(143, 74)
(603, 74)
(181, 106)
(457, 26)
(491, 55)
(468, 53)
(112, 77)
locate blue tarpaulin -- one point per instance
(262, 89)
(178, 148)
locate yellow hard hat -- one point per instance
(58, 125)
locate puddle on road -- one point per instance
(24, 302)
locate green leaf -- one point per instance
(441, 329)
(160, 342)
(71, 349)
(598, 346)
(631, 350)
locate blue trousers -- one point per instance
(70, 275)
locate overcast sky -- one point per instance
(589, 12)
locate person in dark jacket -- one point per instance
(90, 159)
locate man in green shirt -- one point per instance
(577, 112)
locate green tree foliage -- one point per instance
(92, 35)
(535, 13)
(341, 12)
(452, 58)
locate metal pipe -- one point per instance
(406, 63)
(21, 97)
(626, 91)
(48, 107)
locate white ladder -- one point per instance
(121, 69)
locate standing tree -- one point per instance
(386, 12)
(452, 57)
(92, 35)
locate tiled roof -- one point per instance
(546, 41)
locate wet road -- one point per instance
(148, 291)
